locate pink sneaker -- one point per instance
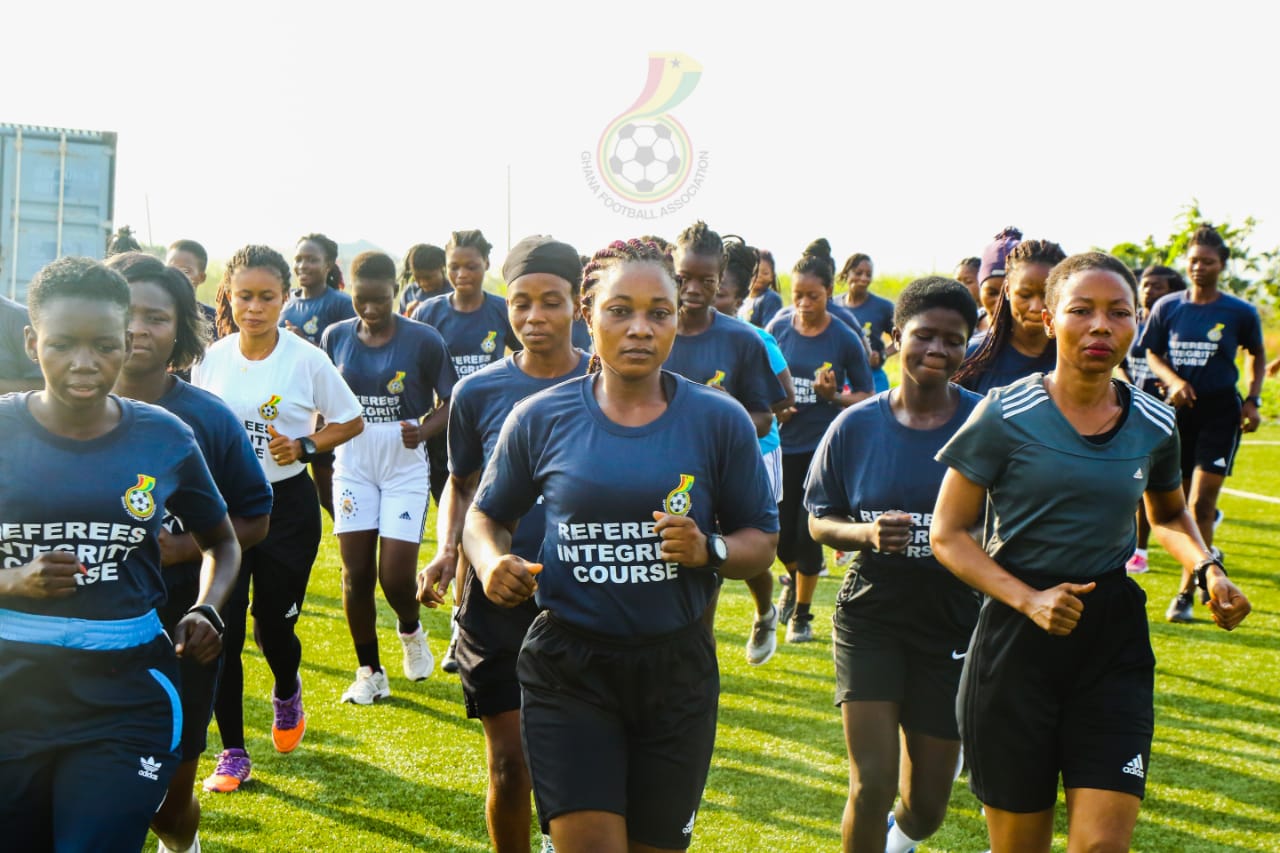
(1137, 565)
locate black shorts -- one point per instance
(1032, 705)
(489, 640)
(279, 566)
(621, 726)
(438, 460)
(1210, 434)
(795, 545)
(900, 635)
(199, 682)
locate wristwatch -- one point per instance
(209, 612)
(1255, 399)
(717, 551)
(308, 449)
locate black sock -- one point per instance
(408, 629)
(802, 612)
(367, 655)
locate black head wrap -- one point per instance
(543, 254)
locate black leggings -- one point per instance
(279, 568)
(795, 545)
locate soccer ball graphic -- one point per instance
(140, 502)
(645, 156)
(679, 503)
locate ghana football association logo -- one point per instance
(490, 342)
(270, 410)
(1215, 334)
(311, 326)
(396, 385)
(138, 501)
(717, 381)
(679, 501)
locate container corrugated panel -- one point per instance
(56, 198)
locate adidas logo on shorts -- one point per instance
(149, 768)
(688, 827)
(1134, 768)
(1221, 462)
(292, 611)
(404, 516)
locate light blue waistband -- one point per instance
(93, 635)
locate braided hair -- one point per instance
(699, 239)
(739, 265)
(1027, 252)
(1207, 235)
(250, 257)
(421, 256)
(470, 239)
(617, 254)
(123, 241)
(330, 250)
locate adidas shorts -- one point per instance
(1034, 706)
(773, 467)
(1210, 434)
(900, 635)
(489, 640)
(379, 484)
(620, 725)
(199, 682)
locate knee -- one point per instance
(925, 816)
(508, 775)
(873, 792)
(358, 581)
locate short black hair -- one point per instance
(1174, 278)
(1207, 235)
(974, 264)
(421, 256)
(77, 278)
(192, 248)
(471, 239)
(935, 291)
(193, 329)
(1085, 262)
(375, 266)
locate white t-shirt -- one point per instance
(284, 390)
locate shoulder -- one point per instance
(968, 399)
(337, 297)
(12, 407)
(706, 401)
(478, 383)
(780, 324)
(149, 419)
(866, 414)
(1167, 304)
(435, 304)
(567, 397)
(341, 330)
(841, 330)
(1155, 413)
(1017, 399)
(883, 303)
(416, 330)
(301, 352)
(1240, 306)
(493, 300)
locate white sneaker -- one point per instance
(418, 662)
(367, 687)
(194, 848)
(763, 640)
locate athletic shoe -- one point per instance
(194, 848)
(418, 662)
(787, 600)
(449, 663)
(824, 572)
(547, 846)
(1181, 608)
(290, 722)
(233, 769)
(800, 629)
(367, 687)
(1137, 565)
(844, 558)
(763, 641)
(893, 821)
(1217, 519)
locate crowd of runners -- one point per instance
(606, 446)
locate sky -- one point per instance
(909, 131)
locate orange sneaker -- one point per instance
(233, 768)
(290, 722)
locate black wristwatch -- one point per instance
(209, 612)
(1255, 399)
(717, 551)
(308, 449)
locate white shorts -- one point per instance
(379, 484)
(773, 467)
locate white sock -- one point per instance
(898, 842)
(1140, 552)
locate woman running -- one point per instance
(91, 717)
(825, 357)
(763, 301)
(474, 325)
(398, 369)
(902, 621)
(873, 313)
(967, 274)
(275, 384)
(1016, 346)
(422, 277)
(1058, 676)
(313, 306)
(718, 350)
(1191, 341)
(169, 335)
(1154, 283)
(652, 487)
(543, 278)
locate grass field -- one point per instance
(409, 774)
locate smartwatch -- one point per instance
(1255, 399)
(209, 612)
(717, 551)
(308, 449)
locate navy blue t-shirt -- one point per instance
(582, 336)
(869, 464)
(480, 406)
(834, 308)
(875, 319)
(398, 381)
(475, 338)
(313, 316)
(761, 309)
(1200, 341)
(1138, 369)
(601, 483)
(228, 453)
(730, 355)
(412, 293)
(14, 362)
(1009, 366)
(837, 348)
(103, 500)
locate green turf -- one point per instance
(410, 773)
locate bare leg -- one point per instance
(1100, 821)
(506, 806)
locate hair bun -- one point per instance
(819, 248)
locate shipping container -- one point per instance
(57, 197)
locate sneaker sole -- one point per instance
(351, 700)
(288, 747)
(765, 659)
(450, 667)
(216, 790)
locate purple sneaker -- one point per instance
(290, 722)
(233, 768)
